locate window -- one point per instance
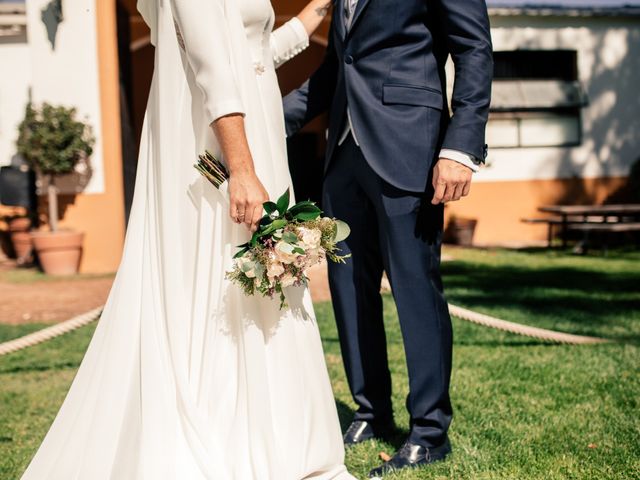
(13, 20)
(536, 64)
(536, 99)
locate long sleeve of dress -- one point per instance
(203, 32)
(288, 41)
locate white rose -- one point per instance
(284, 252)
(310, 238)
(275, 269)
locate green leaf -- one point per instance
(307, 216)
(287, 248)
(342, 231)
(299, 251)
(257, 235)
(248, 266)
(266, 220)
(304, 208)
(259, 269)
(270, 207)
(304, 204)
(241, 253)
(275, 225)
(283, 202)
(290, 237)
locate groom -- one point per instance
(394, 157)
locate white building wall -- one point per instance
(609, 69)
(15, 78)
(68, 74)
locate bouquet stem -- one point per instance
(212, 169)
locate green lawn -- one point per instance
(523, 409)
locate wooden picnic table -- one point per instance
(586, 210)
(608, 214)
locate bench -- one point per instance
(549, 221)
(605, 228)
(566, 223)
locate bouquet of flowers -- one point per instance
(288, 242)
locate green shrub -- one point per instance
(52, 141)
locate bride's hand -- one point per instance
(247, 194)
(247, 198)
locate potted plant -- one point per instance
(460, 231)
(19, 228)
(53, 141)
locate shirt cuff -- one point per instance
(460, 157)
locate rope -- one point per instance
(524, 330)
(50, 332)
(459, 312)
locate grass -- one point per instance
(523, 409)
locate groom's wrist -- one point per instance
(461, 158)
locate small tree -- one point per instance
(52, 141)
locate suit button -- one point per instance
(348, 59)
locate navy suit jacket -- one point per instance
(389, 69)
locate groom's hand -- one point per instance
(451, 181)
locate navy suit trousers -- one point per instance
(398, 232)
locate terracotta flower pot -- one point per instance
(59, 252)
(460, 231)
(20, 237)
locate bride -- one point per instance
(186, 378)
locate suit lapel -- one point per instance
(362, 4)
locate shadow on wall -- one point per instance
(630, 191)
(609, 122)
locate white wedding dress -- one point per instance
(185, 377)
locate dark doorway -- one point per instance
(136, 69)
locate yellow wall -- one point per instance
(101, 216)
(500, 206)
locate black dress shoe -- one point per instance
(360, 431)
(411, 455)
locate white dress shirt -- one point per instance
(455, 155)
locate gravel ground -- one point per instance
(27, 296)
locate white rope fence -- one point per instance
(50, 332)
(459, 312)
(519, 329)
